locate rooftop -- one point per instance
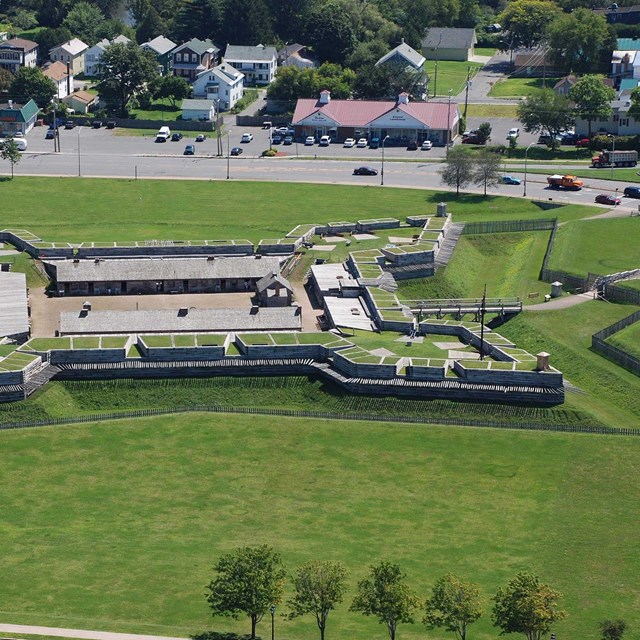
(57, 71)
(160, 45)
(19, 43)
(73, 47)
(14, 318)
(242, 52)
(403, 50)
(449, 38)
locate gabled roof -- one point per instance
(73, 47)
(192, 104)
(449, 38)
(241, 52)
(198, 46)
(56, 71)
(25, 111)
(224, 72)
(82, 96)
(160, 45)
(628, 44)
(290, 49)
(121, 39)
(570, 80)
(101, 45)
(270, 280)
(415, 59)
(19, 43)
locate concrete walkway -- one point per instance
(560, 303)
(77, 633)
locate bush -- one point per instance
(623, 143)
(269, 153)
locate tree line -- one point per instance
(250, 581)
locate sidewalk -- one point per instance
(77, 633)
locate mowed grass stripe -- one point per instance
(116, 526)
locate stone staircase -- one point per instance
(40, 378)
(449, 244)
(388, 283)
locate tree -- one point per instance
(612, 629)
(388, 81)
(458, 169)
(319, 587)
(293, 83)
(386, 595)
(151, 27)
(197, 19)
(578, 41)
(6, 77)
(592, 99)
(543, 110)
(330, 32)
(247, 22)
(124, 69)
(483, 132)
(11, 153)
(30, 83)
(525, 21)
(83, 21)
(526, 606)
(174, 88)
(289, 17)
(454, 604)
(249, 580)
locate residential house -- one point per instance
(203, 110)
(62, 77)
(93, 55)
(625, 64)
(81, 101)
(17, 118)
(534, 63)
(71, 52)
(223, 83)
(619, 123)
(564, 85)
(446, 43)
(258, 64)
(399, 122)
(628, 44)
(18, 52)
(193, 57)
(620, 15)
(161, 47)
(407, 58)
(295, 55)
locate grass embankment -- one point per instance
(116, 526)
(99, 210)
(519, 87)
(23, 263)
(613, 393)
(628, 340)
(508, 263)
(599, 246)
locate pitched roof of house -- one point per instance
(56, 71)
(224, 72)
(25, 111)
(241, 52)
(272, 279)
(121, 39)
(19, 43)
(197, 105)
(73, 47)
(198, 46)
(82, 96)
(359, 113)
(449, 38)
(414, 58)
(570, 79)
(160, 45)
(14, 317)
(290, 49)
(100, 45)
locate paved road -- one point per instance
(77, 633)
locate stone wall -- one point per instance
(514, 378)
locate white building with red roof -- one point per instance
(399, 122)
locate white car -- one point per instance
(362, 143)
(426, 145)
(309, 141)
(513, 133)
(325, 141)
(349, 142)
(246, 137)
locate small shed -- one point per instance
(273, 290)
(204, 110)
(445, 43)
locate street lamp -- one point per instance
(272, 610)
(228, 151)
(382, 171)
(613, 152)
(448, 136)
(524, 193)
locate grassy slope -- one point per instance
(628, 340)
(599, 246)
(116, 527)
(508, 263)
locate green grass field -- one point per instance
(519, 87)
(452, 75)
(116, 526)
(600, 246)
(491, 111)
(628, 340)
(630, 284)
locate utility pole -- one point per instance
(466, 93)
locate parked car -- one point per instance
(18, 134)
(50, 135)
(472, 139)
(288, 140)
(583, 142)
(412, 146)
(190, 150)
(325, 141)
(111, 124)
(309, 141)
(201, 137)
(362, 143)
(472, 132)
(514, 132)
(374, 143)
(69, 124)
(176, 137)
(631, 192)
(426, 145)
(605, 198)
(282, 130)
(510, 180)
(349, 142)
(277, 139)
(365, 171)
(246, 137)
(97, 124)
(236, 151)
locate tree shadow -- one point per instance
(5, 178)
(216, 635)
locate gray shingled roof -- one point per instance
(240, 52)
(414, 58)
(271, 279)
(171, 320)
(449, 38)
(14, 318)
(160, 45)
(197, 46)
(195, 104)
(111, 270)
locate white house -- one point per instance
(619, 123)
(63, 79)
(18, 52)
(71, 52)
(93, 55)
(222, 83)
(295, 55)
(198, 110)
(258, 64)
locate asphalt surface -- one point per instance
(77, 633)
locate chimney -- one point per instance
(543, 361)
(401, 40)
(403, 98)
(10, 104)
(325, 96)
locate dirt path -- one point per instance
(77, 633)
(560, 303)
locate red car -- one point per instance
(605, 198)
(583, 142)
(472, 140)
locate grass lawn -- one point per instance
(629, 284)
(160, 110)
(23, 263)
(116, 526)
(452, 75)
(600, 246)
(508, 263)
(491, 110)
(99, 210)
(485, 51)
(628, 340)
(387, 340)
(519, 87)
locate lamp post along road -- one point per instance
(613, 153)
(228, 152)
(382, 168)
(448, 134)
(272, 610)
(524, 192)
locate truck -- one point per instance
(570, 183)
(615, 159)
